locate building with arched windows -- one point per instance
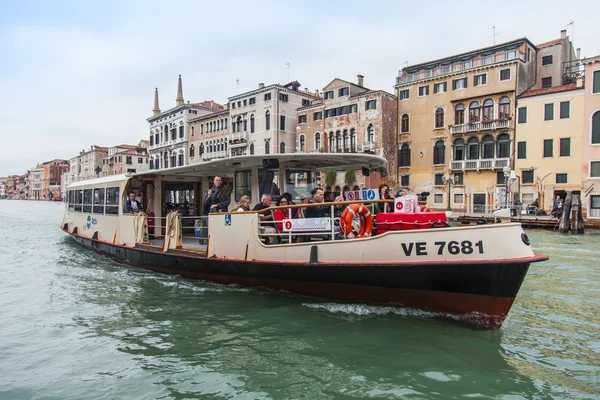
(591, 138)
(457, 119)
(351, 118)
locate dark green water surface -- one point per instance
(76, 325)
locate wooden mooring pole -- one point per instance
(571, 217)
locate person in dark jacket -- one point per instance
(218, 198)
(132, 206)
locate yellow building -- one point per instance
(456, 120)
(549, 136)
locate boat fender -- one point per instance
(525, 239)
(366, 221)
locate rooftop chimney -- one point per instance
(579, 53)
(563, 34)
(361, 79)
(261, 85)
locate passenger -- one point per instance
(318, 196)
(385, 194)
(281, 213)
(244, 204)
(132, 206)
(301, 211)
(268, 229)
(218, 198)
(267, 186)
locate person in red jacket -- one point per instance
(281, 213)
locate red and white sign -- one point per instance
(307, 225)
(406, 204)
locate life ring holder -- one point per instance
(366, 221)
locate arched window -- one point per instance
(438, 152)
(151, 163)
(459, 114)
(181, 161)
(317, 141)
(338, 142)
(487, 147)
(239, 124)
(192, 131)
(488, 110)
(439, 117)
(503, 146)
(405, 124)
(302, 140)
(281, 148)
(346, 140)
(267, 147)
(459, 150)
(252, 123)
(473, 149)
(192, 151)
(404, 156)
(370, 134)
(267, 120)
(201, 150)
(225, 120)
(504, 108)
(252, 149)
(474, 112)
(353, 140)
(331, 142)
(202, 129)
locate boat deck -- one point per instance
(187, 243)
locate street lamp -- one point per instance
(449, 181)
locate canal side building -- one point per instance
(349, 119)
(591, 138)
(549, 143)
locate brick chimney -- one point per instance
(361, 80)
(261, 85)
(563, 34)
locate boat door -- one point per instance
(479, 203)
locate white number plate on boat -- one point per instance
(307, 225)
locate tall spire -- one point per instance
(179, 99)
(156, 109)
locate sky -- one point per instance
(77, 73)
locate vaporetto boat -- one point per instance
(472, 273)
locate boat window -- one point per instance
(99, 201)
(298, 182)
(243, 184)
(112, 201)
(268, 182)
(87, 200)
(78, 200)
(71, 200)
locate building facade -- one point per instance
(88, 164)
(591, 138)
(168, 144)
(209, 137)
(3, 183)
(549, 143)
(351, 118)
(126, 158)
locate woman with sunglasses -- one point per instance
(281, 213)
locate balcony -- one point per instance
(368, 146)
(477, 165)
(214, 154)
(457, 67)
(237, 139)
(480, 126)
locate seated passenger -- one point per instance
(132, 206)
(244, 204)
(281, 213)
(268, 229)
(385, 194)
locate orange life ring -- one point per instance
(366, 221)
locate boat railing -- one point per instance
(321, 228)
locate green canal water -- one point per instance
(76, 325)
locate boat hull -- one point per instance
(480, 292)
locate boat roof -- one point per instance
(112, 179)
(225, 166)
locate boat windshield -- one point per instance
(299, 182)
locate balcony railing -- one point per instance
(459, 67)
(480, 126)
(237, 139)
(215, 154)
(368, 146)
(489, 163)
